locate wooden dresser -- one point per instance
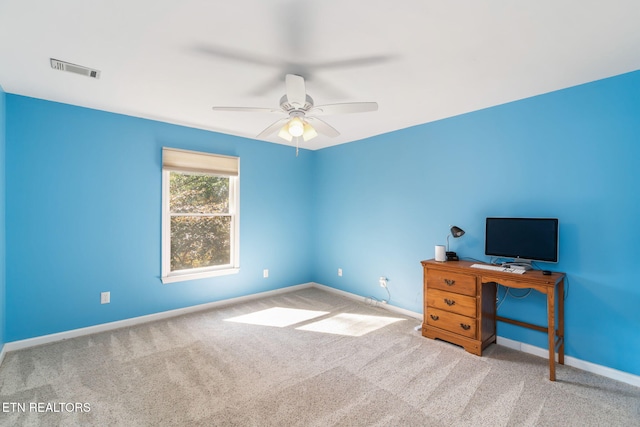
(458, 307)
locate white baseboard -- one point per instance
(516, 345)
(604, 371)
(363, 299)
(46, 339)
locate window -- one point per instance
(199, 215)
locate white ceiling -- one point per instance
(421, 60)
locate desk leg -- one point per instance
(561, 322)
(551, 331)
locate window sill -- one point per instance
(201, 275)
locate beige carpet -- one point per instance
(306, 358)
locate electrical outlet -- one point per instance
(265, 273)
(105, 297)
(383, 281)
(340, 272)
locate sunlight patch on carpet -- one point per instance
(354, 325)
(279, 317)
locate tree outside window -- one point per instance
(200, 221)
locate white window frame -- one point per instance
(167, 276)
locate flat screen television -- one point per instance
(523, 239)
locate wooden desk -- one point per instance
(460, 305)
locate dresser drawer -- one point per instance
(456, 303)
(451, 282)
(452, 322)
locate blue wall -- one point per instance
(383, 203)
(2, 218)
(84, 206)
(83, 209)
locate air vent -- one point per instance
(56, 64)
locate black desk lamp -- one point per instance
(455, 232)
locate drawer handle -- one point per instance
(434, 317)
(449, 302)
(449, 282)
(465, 326)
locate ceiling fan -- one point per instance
(301, 119)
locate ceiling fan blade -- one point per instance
(353, 62)
(263, 88)
(295, 22)
(345, 108)
(296, 92)
(322, 127)
(272, 128)
(234, 54)
(247, 109)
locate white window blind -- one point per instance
(192, 161)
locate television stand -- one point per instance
(460, 305)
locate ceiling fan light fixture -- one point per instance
(309, 132)
(284, 133)
(296, 127)
(301, 120)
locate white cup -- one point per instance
(441, 253)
